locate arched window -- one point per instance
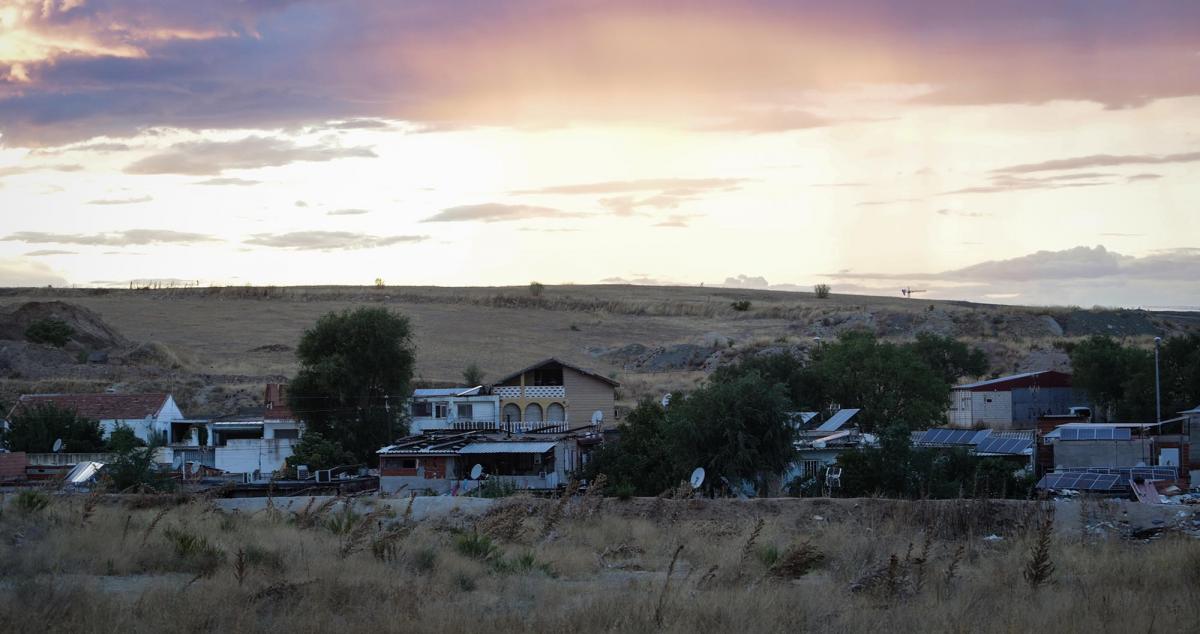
(533, 413)
(512, 413)
(555, 413)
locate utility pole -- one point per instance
(1157, 391)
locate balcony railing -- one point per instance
(531, 391)
(516, 427)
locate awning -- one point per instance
(507, 447)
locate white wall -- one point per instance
(247, 455)
(968, 408)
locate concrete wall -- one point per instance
(247, 455)
(1104, 453)
(393, 484)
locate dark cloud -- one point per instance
(227, 64)
(346, 212)
(1143, 177)
(45, 252)
(1100, 160)
(121, 201)
(328, 240)
(116, 238)
(226, 180)
(497, 212)
(207, 158)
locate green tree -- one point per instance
(781, 368)
(738, 430)
(889, 382)
(55, 332)
(134, 469)
(472, 375)
(36, 429)
(316, 452)
(641, 458)
(1108, 371)
(821, 291)
(950, 358)
(355, 369)
(123, 439)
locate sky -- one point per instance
(1014, 152)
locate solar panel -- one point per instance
(839, 419)
(1095, 433)
(1080, 481)
(1128, 473)
(1003, 445)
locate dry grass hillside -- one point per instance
(588, 564)
(215, 347)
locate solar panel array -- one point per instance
(1082, 481)
(1002, 445)
(953, 436)
(1094, 433)
(1129, 473)
(836, 421)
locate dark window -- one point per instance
(439, 410)
(408, 463)
(465, 410)
(422, 408)
(285, 434)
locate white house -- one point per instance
(256, 443)
(463, 408)
(148, 415)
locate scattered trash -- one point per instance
(992, 538)
(818, 518)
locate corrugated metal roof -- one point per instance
(507, 447)
(1002, 379)
(447, 391)
(836, 421)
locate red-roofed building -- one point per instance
(148, 415)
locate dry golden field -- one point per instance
(587, 564)
(214, 347)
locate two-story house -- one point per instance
(463, 408)
(554, 393)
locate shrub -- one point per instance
(624, 491)
(536, 289)
(476, 546)
(424, 560)
(741, 306)
(29, 502)
(821, 291)
(194, 552)
(495, 488)
(55, 332)
(797, 561)
(473, 375)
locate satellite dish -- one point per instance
(58, 444)
(597, 417)
(666, 400)
(697, 477)
(476, 471)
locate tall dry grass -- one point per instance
(845, 565)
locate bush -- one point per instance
(741, 306)
(495, 488)
(624, 491)
(476, 546)
(124, 439)
(821, 291)
(29, 502)
(536, 289)
(195, 553)
(55, 332)
(135, 469)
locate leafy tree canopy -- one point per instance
(36, 429)
(355, 369)
(950, 358)
(123, 439)
(1119, 379)
(315, 451)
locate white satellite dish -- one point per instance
(666, 400)
(476, 471)
(697, 478)
(597, 417)
(58, 444)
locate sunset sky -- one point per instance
(1018, 152)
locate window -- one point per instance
(422, 408)
(512, 413)
(439, 410)
(533, 413)
(465, 411)
(556, 413)
(290, 434)
(408, 463)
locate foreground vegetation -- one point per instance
(586, 564)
